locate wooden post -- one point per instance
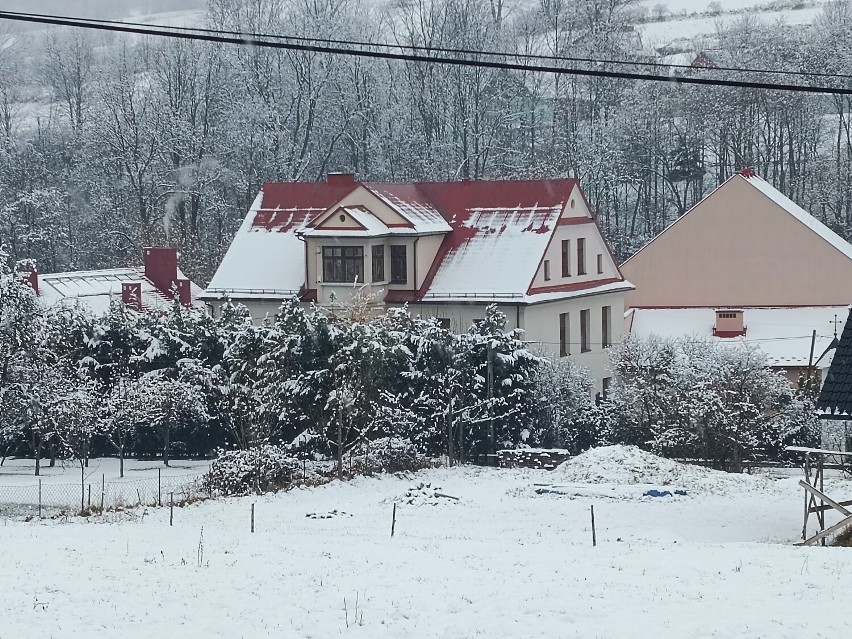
(82, 488)
(393, 521)
(89, 500)
(103, 490)
(594, 535)
(39, 497)
(159, 487)
(171, 508)
(252, 517)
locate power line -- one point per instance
(161, 31)
(414, 47)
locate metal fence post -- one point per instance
(39, 497)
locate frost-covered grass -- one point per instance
(501, 561)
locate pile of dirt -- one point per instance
(627, 465)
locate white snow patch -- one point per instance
(629, 465)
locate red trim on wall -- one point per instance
(571, 221)
(576, 286)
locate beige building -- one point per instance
(447, 249)
(745, 264)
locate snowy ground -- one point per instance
(503, 561)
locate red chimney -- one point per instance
(340, 179)
(748, 172)
(184, 292)
(30, 277)
(131, 295)
(161, 268)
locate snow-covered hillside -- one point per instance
(502, 561)
(680, 23)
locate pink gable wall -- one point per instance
(738, 248)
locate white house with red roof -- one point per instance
(447, 249)
(149, 288)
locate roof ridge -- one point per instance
(799, 213)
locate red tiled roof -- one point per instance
(486, 224)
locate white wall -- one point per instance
(542, 325)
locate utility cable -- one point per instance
(161, 31)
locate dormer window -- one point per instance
(729, 323)
(379, 263)
(399, 264)
(343, 264)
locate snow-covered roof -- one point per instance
(480, 262)
(799, 213)
(783, 334)
(494, 236)
(266, 257)
(94, 290)
(413, 205)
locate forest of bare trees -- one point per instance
(111, 142)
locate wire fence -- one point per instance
(46, 498)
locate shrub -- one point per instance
(388, 455)
(262, 469)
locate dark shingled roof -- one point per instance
(836, 394)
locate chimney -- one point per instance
(729, 323)
(184, 292)
(748, 172)
(340, 179)
(30, 277)
(161, 268)
(131, 295)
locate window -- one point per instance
(566, 258)
(399, 264)
(600, 263)
(343, 263)
(564, 334)
(607, 382)
(606, 324)
(727, 315)
(581, 256)
(378, 263)
(585, 343)
(546, 270)
(444, 322)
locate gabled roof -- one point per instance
(800, 214)
(495, 233)
(835, 397)
(786, 204)
(95, 290)
(783, 334)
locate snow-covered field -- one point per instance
(502, 561)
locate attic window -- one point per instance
(600, 263)
(342, 218)
(573, 203)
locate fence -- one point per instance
(45, 498)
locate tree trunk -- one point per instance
(166, 446)
(37, 449)
(339, 444)
(121, 461)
